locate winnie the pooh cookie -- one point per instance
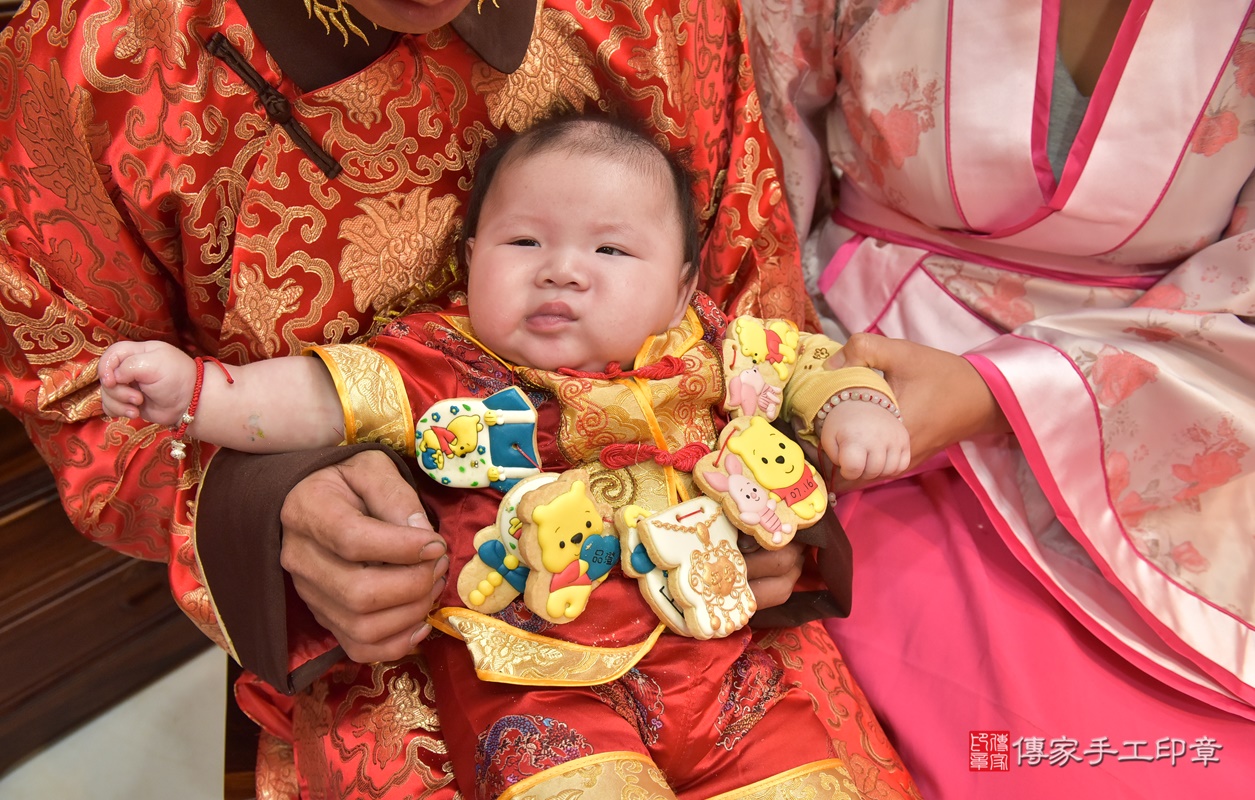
(688, 566)
(758, 358)
(563, 540)
(770, 342)
(768, 463)
(496, 575)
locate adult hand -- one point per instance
(942, 397)
(772, 573)
(363, 556)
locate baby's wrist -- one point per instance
(855, 395)
(178, 445)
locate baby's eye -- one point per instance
(608, 250)
(525, 243)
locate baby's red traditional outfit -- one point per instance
(612, 697)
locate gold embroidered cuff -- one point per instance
(616, 774)
(505, 654)
(827, 779)
(376, 408)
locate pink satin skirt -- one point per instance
(990, 688)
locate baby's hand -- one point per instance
(865, 440)
(153, 380)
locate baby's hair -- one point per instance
(599, 136)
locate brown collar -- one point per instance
(312, 56)
(499, 34)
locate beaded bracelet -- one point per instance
(855, 394)
(178, 447)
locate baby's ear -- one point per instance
(686, 293)
(467, 247)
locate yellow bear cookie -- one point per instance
(563, 540)
(496, 575)
(762, 478)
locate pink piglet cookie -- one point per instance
(758, 358)
(764, 482)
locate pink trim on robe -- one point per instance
(1022, 383)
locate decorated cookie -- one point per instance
(471, 443)
(688, 566)
(771, 343)
(763, 480)
(564, 540)
(496, 575)
(750, 391)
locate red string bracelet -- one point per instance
(178, 447)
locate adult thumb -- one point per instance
(860, 351)
(419, 519)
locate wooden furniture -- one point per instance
(81, 627)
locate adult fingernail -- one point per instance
(442, 566)
(432, 551)
(419, 635)
(418, 520)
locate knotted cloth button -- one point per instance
(278, 109)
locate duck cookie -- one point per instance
(563, 539)
(471, 442)
(763, 480)
(495, 575)
(688, 566)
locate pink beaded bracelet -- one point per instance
(856, 394)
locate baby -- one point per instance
(591, 509)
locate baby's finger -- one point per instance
(875, 466)
(130, 371)
(904, 460)
(106, 372)
(128, 395)
(115, 407)
(853, 462)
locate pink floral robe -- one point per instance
(1087, 585)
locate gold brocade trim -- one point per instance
(225, 641)
(622, 774)
(818, 780)
(505, 654)
(372, 394)
(668, 413)
(677, 340)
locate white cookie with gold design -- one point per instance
(692, 547)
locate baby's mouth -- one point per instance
(551, 314)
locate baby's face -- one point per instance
(577, 260)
